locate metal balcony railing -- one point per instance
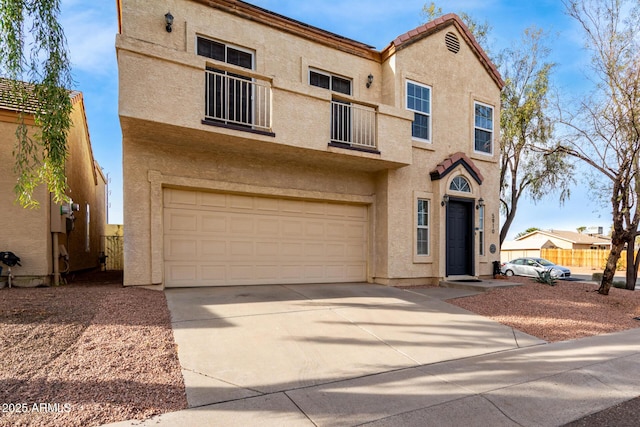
(353, 124)
(238, 100)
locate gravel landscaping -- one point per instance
(86, 354)
(89, 353)
(568, 310)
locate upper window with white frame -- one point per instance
(419, 101)
(329, 81)
(483, 124)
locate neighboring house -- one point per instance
(261, 150)
(32, 233)
(532, 243)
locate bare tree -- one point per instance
(604, 130)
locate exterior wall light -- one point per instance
(169, 20)
(369, 80)
(480, 203)
(445, 200)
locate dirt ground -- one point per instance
(94, 352)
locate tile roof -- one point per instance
(8, 100)
(448, 164)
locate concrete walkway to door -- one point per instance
(349, 354)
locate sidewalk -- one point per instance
(529, 384)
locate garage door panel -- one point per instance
(267, 227)
(180, 221)
(267, 250)
(177, 197)
(209, 248)
(216, 239)
(214, 200)
(242, 225)
(241, 249)
(182, 272)
(266, 204)
(292, 228)
(212, 223)
(181, 248)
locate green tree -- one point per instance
(526, 127)
(480, 30)
(604, 130)
(37, 63)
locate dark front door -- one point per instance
(459, 238)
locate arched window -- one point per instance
(461, 184)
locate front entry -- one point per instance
(460, 238)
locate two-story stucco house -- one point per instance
(49, 240)
(261, 150)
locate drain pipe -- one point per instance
(56, 260)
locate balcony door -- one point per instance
(229, 96)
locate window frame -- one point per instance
(460, 189)
(476, 128)
(227, 46)
(426, 213)
(419, 112)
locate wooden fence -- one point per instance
(592, 258)
(113, 249)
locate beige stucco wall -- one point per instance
(165, 143)
(27, 232)
(87, 188)
(24, 232)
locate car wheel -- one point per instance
(508, 273)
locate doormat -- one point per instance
(468, 280)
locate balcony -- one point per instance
(353, 125)
(237, 101)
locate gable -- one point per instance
(442, 23)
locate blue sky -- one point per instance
(91, 28)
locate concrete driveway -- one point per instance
(247, 346)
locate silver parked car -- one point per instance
(531, 266)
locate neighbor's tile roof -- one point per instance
(572, 237)
(8, 101)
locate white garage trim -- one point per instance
(219, 239)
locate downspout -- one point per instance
(56, 260)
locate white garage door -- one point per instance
(214, 239)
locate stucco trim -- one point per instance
(159, 181)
